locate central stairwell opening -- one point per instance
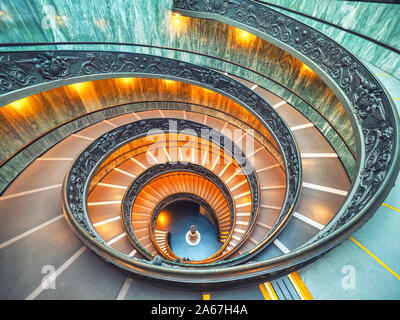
(177, 218)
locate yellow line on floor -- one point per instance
(300, 287)
(395, 98)
(376, 258)
(268, 291)
(206, 296)
(386, 205)
(382, 74)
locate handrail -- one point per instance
(376, 134)
(370, 109)
(143, 149)
(212, 258)
(170, 252)
(157, 246)
(169, 68)
(185, 196)
(358, 34)
(377, 124)
(192, 197)
(270, 145)
(144, 178)
(39, 44)
(156, 172)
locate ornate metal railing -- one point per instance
(335, 25)
(168, 248)
(144, 65)
(12, 70)
(161, 169)
(169, 254)
(223, 85)
(209, 212)
(370, 109)
(85, 166)
(61, 65)
(372, 113)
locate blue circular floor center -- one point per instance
(181, 215)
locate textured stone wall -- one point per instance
(379, 21)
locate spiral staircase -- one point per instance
(100, 138)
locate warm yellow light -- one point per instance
(169, 82)
(177, 20)
(19, 105)
(126, 81)
(243, 38)
(80, 87)
(178, 23)
(163, 219)
(306, 68)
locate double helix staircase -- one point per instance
(290, 201)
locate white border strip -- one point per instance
(111, 185)
(309, 221)
(267, 168)
(318, 155)
(273, 187)
(139, 163)
(281, 246)
(233, 175)
(53, 277)
(132, 253)
(253, 153)
(106, 221)
(30, 231)
(103, 203)
(276, 106)
(265, 206)
(110, 123)
(223, 170)
(116, 239)
(29, 192)
(124, 289)
(263, 225)
(124, 172)
(302, 126)
(54, 159)
(325, 189)
(82, 137)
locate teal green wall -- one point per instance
(379, 21)
(151, 22)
